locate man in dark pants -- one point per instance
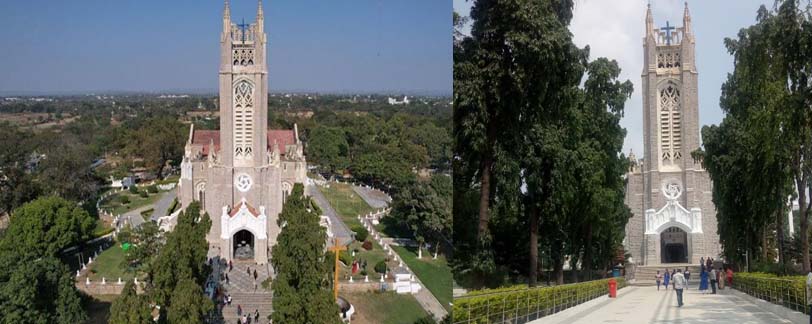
(712, 278)
(679, 284)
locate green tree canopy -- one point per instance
(46, 226)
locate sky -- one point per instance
(399, 46)
(615, 29)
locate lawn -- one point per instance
(372, 257)
(346, 202)
(435, 274)
(114, 205)
(385, 308)
(111, 265)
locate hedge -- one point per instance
(787, 291)
(519, 303)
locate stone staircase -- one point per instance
(644, 275)
(242, 291)
(249, 301)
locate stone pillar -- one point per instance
(652, 249)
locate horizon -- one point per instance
(96, 46)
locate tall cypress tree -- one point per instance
(301, 289)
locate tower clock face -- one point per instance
(243, 182)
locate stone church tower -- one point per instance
(242, 173)
(674, 219)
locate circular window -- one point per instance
(672, 189)
(243, 182)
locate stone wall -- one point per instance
(109, 288)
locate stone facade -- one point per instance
(242, 173)
(669, 193)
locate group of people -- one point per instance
(708, 277)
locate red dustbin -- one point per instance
(612, 288)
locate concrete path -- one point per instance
(340, 230)
(133, 217)
(374, 198)
(163, 204)
(647, 305)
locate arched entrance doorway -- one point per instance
(243, 242)
(674, 245)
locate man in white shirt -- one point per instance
(679, 285)
(712, 277)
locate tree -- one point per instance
(188, 304)
(147, 240)
(159, 140)
(301, 289)
(129, 307)
(38, 290)
(425, 208)
(328, 148)
(761, 149)
(46, 226)
(182, 257)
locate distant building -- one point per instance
(393, 101)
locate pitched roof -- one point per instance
(238, 206)
(282, 136)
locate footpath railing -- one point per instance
(521, 305)
(787, 291)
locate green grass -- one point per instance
(435, 274)
(110, 265)
(346, 202)
(113, 204)
(372, 257)
(386, 308)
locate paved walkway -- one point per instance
(374, 198)
(163, 204)
(647, 305)
(339, 229)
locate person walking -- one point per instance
(666, 279)
(255, 274)
(721, 279)
(673, 272)
(713, 277)
(729, 276)
(703, 281)
(659, 278)
(679, 285)
(256, 315)
(687, 275)
(230, 265)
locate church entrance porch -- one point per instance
(244, 245)
(674, 246)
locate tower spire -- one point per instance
(649, 19)
(686, 19)
(226, 17)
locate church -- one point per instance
(242, 173)
(669, 193)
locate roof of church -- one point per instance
(282, 136)
(236, 209)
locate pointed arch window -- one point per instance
(243, 119)
(670, 124)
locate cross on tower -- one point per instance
(668, 28)
(243, 26)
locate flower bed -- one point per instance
(787, 291)
(520, 304)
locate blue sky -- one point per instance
(154, 45)
(615, 29)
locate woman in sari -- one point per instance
(703, 281)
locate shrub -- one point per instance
(147, 213)
(143, 194)
(124, 199)
(361, 234)
(765, 285)
(133, 190)
(367, 245)
(152, 189)
(345, 258)
(380, 267)
(476, 306)
(172, 206)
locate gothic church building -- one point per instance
(242, 173)
(668, 192)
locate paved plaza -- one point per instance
(647, 305)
